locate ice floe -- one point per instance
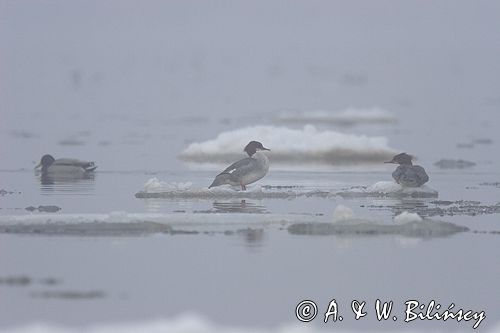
(348, 116)
(389, 189)
(155, 188)
(117, 224)
(342, 213)
(292, 147)
(136, 224)
(156, 185)
(461, 207)
(406, 217)
(441, 208)
(405, 224)
(424, 229)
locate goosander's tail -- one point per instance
(220, 179)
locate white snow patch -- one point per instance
(342, 213)
(390, 188)
(155, 185)
(139, 224)
(406, 217)
(385, 187)
(155, 188)
(123, 223)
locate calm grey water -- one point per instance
(130, 86)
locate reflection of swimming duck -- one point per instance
(406, 173)
(76, 179)
(247, 170)
(49, 164)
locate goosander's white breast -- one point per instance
(258, 171)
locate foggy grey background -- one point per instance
(120, 76)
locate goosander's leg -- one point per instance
(243, 187)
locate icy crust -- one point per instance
(125, 224)
(137, 224)
(173, 219)
(390, 189)
(405, 224)
(291, 147)
(448, 208)
(350, 116)
(155, 188)
(423, 229)
(406, 217)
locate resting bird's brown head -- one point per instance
(247, 170)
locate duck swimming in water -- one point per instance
(49, 164)
(247, 170)
(406, 173)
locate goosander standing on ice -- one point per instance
(245, 171)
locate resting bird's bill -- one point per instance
(49, 164)
(245, 171)
(406, 173)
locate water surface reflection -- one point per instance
(238, 206)
(66, 183)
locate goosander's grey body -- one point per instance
(247, 170)
(49, 164)
(406, 173)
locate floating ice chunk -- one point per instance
(406, 217)
(388, 189)
(342, 213)
(346, 224)
(384, 187)
(421, 229)
(136, 224)
(155, 185)
(293, 147)
(348, 116)
(155, 188)
(393, 189)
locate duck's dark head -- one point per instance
(402, 159)
(45, 162)
(253, 146)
